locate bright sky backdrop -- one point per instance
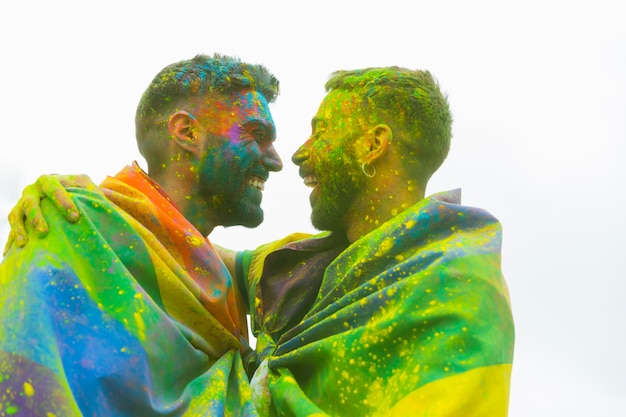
(538, 93)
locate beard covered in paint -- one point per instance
(328, 160)
(340, 181)
(228, 182)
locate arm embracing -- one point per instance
(27, 211)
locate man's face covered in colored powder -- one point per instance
(328, 163)
(238, 158)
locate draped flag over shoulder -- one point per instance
(413, 319)
(129, 312)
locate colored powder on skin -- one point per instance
(29, 391)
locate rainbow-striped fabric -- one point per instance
(129, 312)
(413, 319)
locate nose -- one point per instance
(271, 160)
(301, 155)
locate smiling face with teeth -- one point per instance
(328, 161)
(239, 155)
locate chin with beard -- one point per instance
(232, 206)
(228, 195)
(239, 213)
(337, 193)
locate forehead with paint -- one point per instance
(340, 110)
(232, 115)
(340, 116)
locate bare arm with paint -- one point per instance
(229, 257)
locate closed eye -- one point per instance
(259, 135)
(318, 128)
(259, 131)
(317, 133)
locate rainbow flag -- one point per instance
(413, 319)
(129, 312)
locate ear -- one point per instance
(183, 128)
(379, 142)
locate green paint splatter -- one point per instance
(11, 409)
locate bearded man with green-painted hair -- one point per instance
(399, 308)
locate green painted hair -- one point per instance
(411, 103)
(200, 76)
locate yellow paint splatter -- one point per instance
(384, 247)
(141, 326)
(29, 391)
(194, 240)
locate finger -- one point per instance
(28, 211)
(52, 188)
(80, 181)
(16, 221)
(9, 243)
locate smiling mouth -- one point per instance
(257, 183)
(310, 180)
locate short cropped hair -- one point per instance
(198, 77)
(410, 102)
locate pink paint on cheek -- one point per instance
(233, 133)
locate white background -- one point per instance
(538, 93)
